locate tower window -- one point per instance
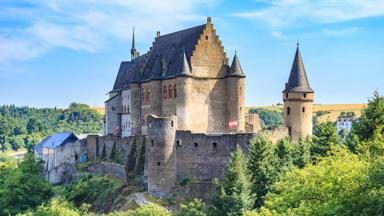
(196, 144)
(174, 91)
(286, 95)
(170, 91)
(303, 109)
(165, 92)
(305, 95)
(158, 163)
(178, 142)
(171, 123)
(288, 110)
(206, 37)
(152, 143)
(214, 145)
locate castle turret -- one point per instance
(183, 94)
(235, 96)
(298, 100)
(161, 154)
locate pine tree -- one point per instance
(234, 195)
(262, 165)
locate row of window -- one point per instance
(126, 109)
(304, 95)
(167, 92)
(178, 143)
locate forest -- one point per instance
(326, 174)
(23, 127)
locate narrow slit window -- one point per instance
(288, 110)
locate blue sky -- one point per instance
(53, 52)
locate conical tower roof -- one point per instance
(185, 69)
(298, 81)
(236, 67)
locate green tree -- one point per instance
(23, 187)
(194, 208)
(234, 195)
(262, 166)
(284, 153)
(326, 188)
(145, 210)
(324, 138)
(366, 137)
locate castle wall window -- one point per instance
(170, 91)
(152, 143)
(303, 109)
(171, 123)
(174, 91)
(288, 110)
(196, 144)
(158, 163)
(178, 142)
(214, 145)
(165, 92)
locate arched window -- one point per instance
(174, 91)
(165, 92)
(288, 110)
(170, 91)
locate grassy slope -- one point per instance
(334, 109)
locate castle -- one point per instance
(184, 105)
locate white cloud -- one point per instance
(282, 13)
(339, 32)
(88, 25)
(278, 34)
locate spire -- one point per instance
(185, 69)
(298, 81)
(236, 67)
(134, 53)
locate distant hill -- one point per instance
(326, 112)
(99, 109)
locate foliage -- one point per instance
(194, 208)
(57, 207)
(23, 186)
(22, 127)
(92, 189)
(327, 188)
(269, 118)
(262, 166)
(301, 152)
(366, 137)
(234, 195)
(324, 138)
(145, 210)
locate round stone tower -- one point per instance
(184, 85)
(161, 154)
(298, 101)
(235, 97)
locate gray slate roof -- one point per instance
(56, 140)
(236, 68)
(165, 59)
(298, 81)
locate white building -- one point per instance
(344, 123)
